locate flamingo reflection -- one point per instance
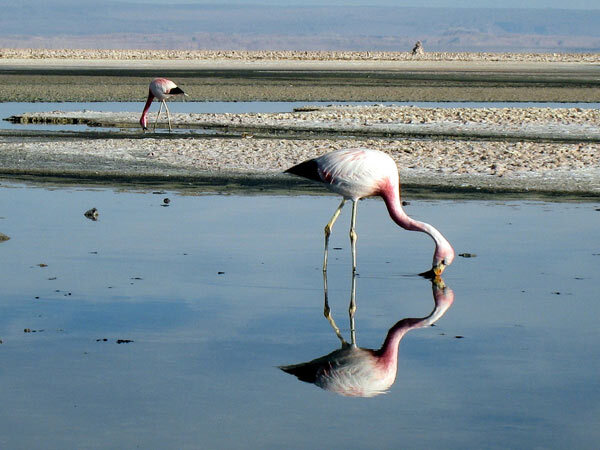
(361, 372)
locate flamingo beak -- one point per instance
(439, 283)
(434, 272)
(438, 269)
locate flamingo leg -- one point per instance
(328, 228)
(158, 115)
(352, 309)
(168, 115)
(353, 235)
(327, 312)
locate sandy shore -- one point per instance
(550, 150)
(566, 162)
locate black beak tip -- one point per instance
(430, 274)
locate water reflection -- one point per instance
(361, 372)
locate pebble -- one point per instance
(91, 214)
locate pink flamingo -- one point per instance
(358, 173)
(362, 372)
(162, 89)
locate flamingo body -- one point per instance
(351, 173)
(357, 173)
(162, 89)
(350, 371)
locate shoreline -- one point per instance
(559, 188)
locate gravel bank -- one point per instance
(466, 163)
(241, 55)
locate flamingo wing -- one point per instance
(161, 88)
(356, 173)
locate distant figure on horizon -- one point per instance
(418, 49)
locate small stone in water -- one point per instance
(91, 214)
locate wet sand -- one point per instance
(442, 163)
(84, 75)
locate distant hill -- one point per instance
(92, 24)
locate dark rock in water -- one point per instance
(124, 341)
(467, 255)
(91, 214)
(4, 237)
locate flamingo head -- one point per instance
(442, 294)
(144, 122)
(442, 258)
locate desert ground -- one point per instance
(507, 149)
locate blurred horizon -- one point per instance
(269, 25)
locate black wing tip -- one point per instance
(176, 91)
(303, 372)
(307, 169)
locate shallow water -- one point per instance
(9, 109)
(216, 291)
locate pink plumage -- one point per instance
(357, 173)
(161, 89)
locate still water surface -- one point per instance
(8, 109)
(216, 291)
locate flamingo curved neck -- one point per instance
(148, 103)
(388, 353)
(394, 207)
